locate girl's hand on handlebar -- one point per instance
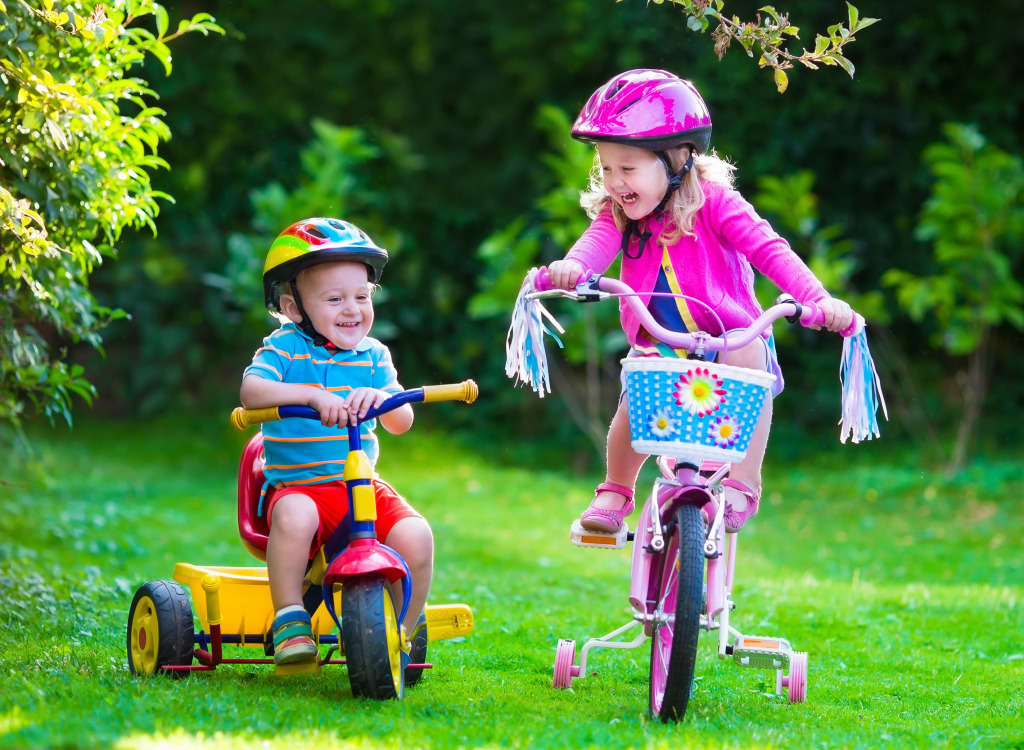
(565, 274)
(838, 315)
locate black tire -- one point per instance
(417, 652)
(679, 572)
(160, 628)
(369, 630)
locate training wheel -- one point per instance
(565, 655)
(796, 682)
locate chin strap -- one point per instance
(633, 230)
(306, 325)
(675, 180)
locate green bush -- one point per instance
(79, 141)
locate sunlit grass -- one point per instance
(905, 589)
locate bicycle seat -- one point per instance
(252, 527)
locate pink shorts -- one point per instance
(332, 501)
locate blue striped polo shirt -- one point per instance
(302, 451)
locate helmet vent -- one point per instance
(336, 224)
(314, 230)
(628, 104)
(612, 91)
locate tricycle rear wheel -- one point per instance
(370, 632)
(160, 628)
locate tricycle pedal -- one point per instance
(582, 537)
(448, 621)
(309, 666)
(761, 652)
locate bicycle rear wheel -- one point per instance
(679, 574)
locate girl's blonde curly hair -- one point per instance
(682, 205)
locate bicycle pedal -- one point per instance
(448, 621)
(582, 537)
(761, 652)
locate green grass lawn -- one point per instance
(905, 589)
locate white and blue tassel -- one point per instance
(862, 390)
(525, 358)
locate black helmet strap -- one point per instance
(675, 180)
(306, 325)
(633, 230)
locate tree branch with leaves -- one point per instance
(767, 35)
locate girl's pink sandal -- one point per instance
(735, 519)
(604, 519)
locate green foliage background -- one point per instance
(431, 135)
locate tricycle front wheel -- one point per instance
(373, 644)
(160, 628)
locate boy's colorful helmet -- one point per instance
(313, 241)
(650, 109)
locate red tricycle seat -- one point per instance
(252, 527)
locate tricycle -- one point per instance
(347, 589)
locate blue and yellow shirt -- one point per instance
(303, 451)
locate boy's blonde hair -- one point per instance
(682, 205)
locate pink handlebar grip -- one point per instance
(542, 281)
(812, 315)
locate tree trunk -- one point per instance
(975, 385)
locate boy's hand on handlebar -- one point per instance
(564, 274)
(332, 408)
(360, 400)
(838, 315)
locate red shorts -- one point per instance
(332, 501)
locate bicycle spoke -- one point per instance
(669, 592)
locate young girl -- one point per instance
(669, 207)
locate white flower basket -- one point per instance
(690, 409)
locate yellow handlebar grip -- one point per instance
(465, 391)
(242, 418)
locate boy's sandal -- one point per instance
(735, 519)
(293, 638)
(604, 519)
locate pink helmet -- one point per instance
(651, 109)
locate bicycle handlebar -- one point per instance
(591, 287)
(526, 361)
(466, 391)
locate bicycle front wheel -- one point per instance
(679, 574)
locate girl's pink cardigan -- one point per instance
(713, 265)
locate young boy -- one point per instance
(319, 279)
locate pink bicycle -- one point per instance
(696, 417)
